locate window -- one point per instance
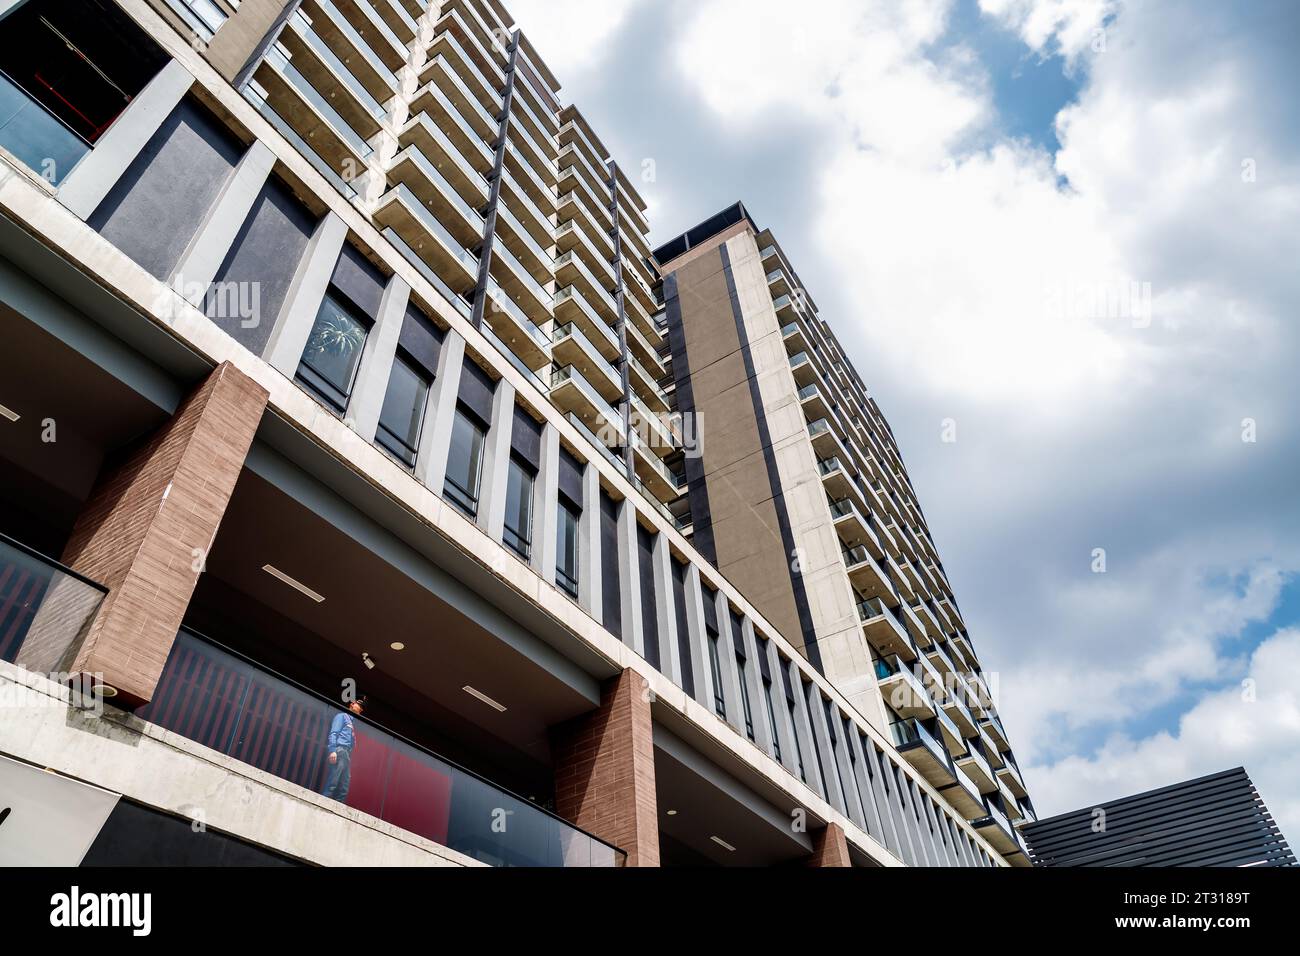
(566, 550)
(403, 412)
(771, 718)
(518, 534)
(203, 15)
(67, 70)
(464, 464)
(715, 666)
(333, 353)
(744, 697)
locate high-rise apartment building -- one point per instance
(359, 494)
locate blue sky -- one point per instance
(964, 185)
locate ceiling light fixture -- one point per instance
(9, 413)
(479, 695)
(723, 843)
(295, 584)
(672, 813)
(397, 646)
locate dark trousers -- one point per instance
(339, 777)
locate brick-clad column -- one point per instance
(830, 848)
(149, 524)
(605, 770)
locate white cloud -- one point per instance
(572, 35)
(969, 274)
(1259, 730)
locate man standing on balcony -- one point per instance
(342, 739)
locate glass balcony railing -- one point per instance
(35, 136)
(45, 609)
(226, 702)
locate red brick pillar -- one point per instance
(146, 520)
(830, 848)
(605, 770)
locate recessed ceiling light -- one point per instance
(672, 813)
(479, 695)
(9, 413)
(397, 646)
(295, 584)
(723, 843)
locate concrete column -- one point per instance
(431, 462)
(605, 770)
(753, 677)
(298, 313)
(496, 465)
(830, 847)
(590, 595)
(669, 652)
(697, 637)
(924, 838)
(376, 366)
(888, 814)
(784, 726)
(100, 169)
(804, 734)
(145, 533)
(844, 761)
(831, 779)
(864, 784)
(934, 817)
(546, 505)
(629, 578)
(727, 665)
(207, 250)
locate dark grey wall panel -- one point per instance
(267, 251)
(611, 595)
(526, 438)
(421, 340)
(683, 630)
(358, 279)
(159, 203)
(571, 479)
(476, 390)
(645, 542)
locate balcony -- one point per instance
(978, 769)
(450, 120)
(571, 237)
(949, 732)
(992, 727)
(473, 50)
(778, 284)
(571, 392)
(571, 157)
(996, 828)
(398, 19)
(902, 689)
(655, 429)
(639, 317)
(868, 577)
(277, 726)
(572, 307)
(351, 47)
(535, 219)
(362, 17)
(302, 107)
(835, 478)
(46, 610)
(571, 183)
(805, 373)
(964, 796)
(412, 169)
(919, 748)
(657, 477)
(462, 65)
(572, 134)
(646, 386)
(439, 73)
(484, 36)
(814, 402)
(513, 325)
(511, 230)
(646, 353)
(400, 210)
(456, 168)
(883, 630)
(854, 527)
(570, 209)
(539, 186)
(571, 270)
(793, 336)
(569, 346)
(524, 291)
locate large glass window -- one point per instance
(67, 70)
(566, 550)
(333, 353)
(402, 417)
(519, 509)
(464, 464)
(798, 747)
(744, 697)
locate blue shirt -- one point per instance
(342, 736)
